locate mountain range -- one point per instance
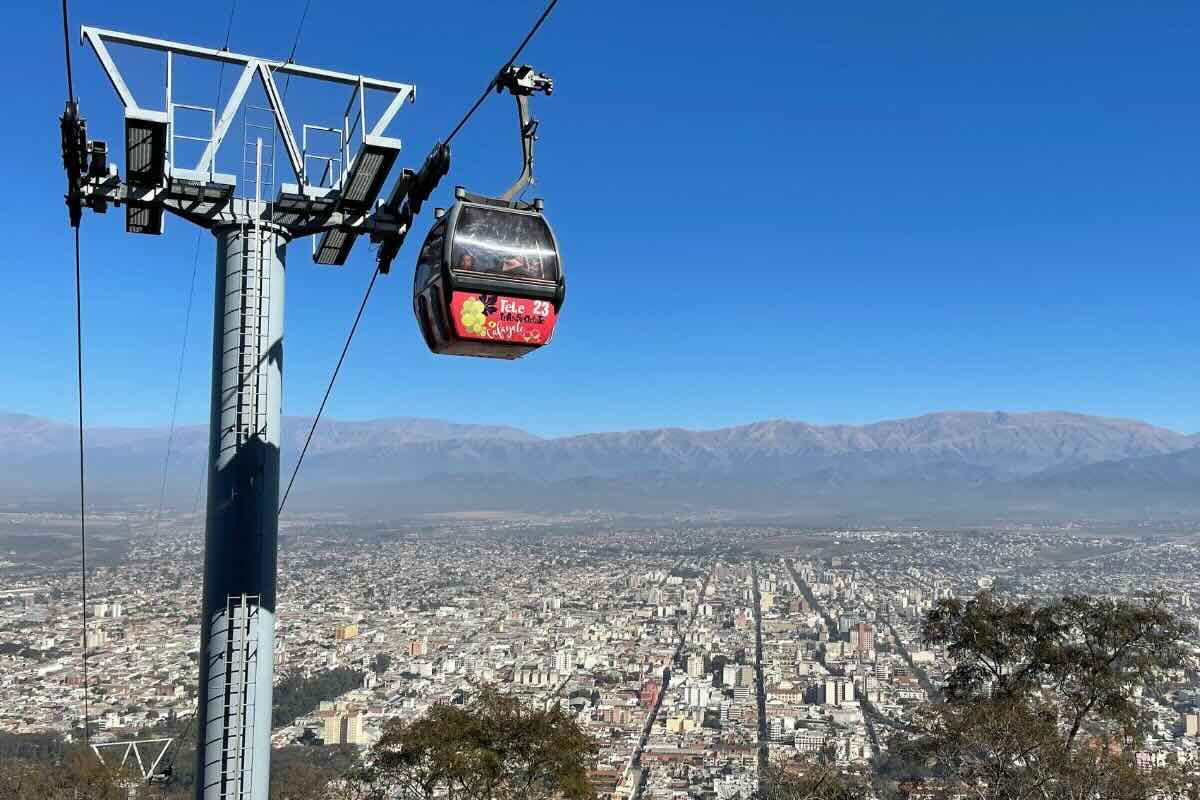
(993, 461)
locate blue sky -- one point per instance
(835, 213)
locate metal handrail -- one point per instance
(360, 122)
(305, 155)
(212, 126)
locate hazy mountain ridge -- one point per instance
(991, 457)
(25, 432)
(993, 446)
(1169, 472)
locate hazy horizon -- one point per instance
(584, 432)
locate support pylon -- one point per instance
(241, 535)
(253, 217)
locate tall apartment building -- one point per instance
(862, 638)
(745, 675)
(342, 724)
(729, 675)
(697, 696)
(837, 691)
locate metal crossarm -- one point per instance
(158, 181)
(97, 37)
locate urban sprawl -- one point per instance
(694, 655)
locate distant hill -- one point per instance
(959, 458)
(1157, 480)
(987, 446)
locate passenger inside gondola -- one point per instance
(508, 244)
(525, 245)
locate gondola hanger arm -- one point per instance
(522, 82)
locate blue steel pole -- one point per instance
(241, 535)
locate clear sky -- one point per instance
(826, 212)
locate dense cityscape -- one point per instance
(695, 655)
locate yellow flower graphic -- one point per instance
(472, 317)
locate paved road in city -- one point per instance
(682, 631)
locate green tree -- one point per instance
(1040, 703)
(1091, 652)
(1016, 749)
(809, 779)
(79, 774)
(296, 695)
(493, 748)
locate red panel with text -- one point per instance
(496, 318)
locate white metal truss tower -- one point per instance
(146, 766)
(253, 216)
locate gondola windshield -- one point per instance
(502, 242)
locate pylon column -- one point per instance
(241, 535)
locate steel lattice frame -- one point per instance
(154, 183)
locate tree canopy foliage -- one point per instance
(1041, 701)
(296, 695)
(493, 748)
(810, 779)
(74, 773)
(1087, 655)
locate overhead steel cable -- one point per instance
(299, 28)
(228, 33)
(170, 766)
(287, 82)
(329, 388)
(187, 318)
(67, 48)
(87, 736)
(491, 85)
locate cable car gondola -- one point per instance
(489, 279)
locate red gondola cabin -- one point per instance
(489, 279)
